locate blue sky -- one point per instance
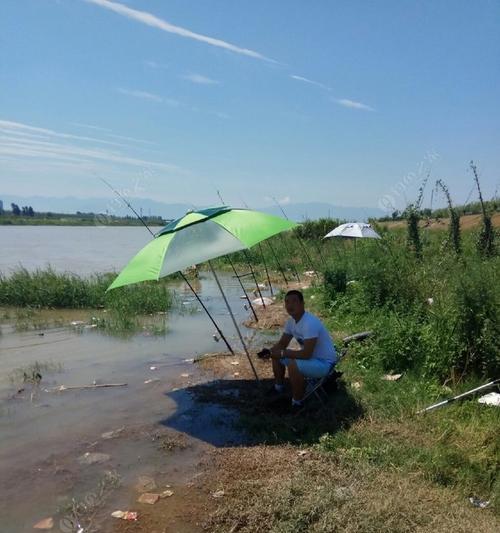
(348, 102)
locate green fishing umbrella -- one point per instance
(198, 237)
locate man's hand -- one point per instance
(276, 351)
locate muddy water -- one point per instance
(43, 433)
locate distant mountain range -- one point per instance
(114, 206)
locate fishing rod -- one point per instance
(460, 396)
(299, 239)
(243, 289)
(265, 268)
(219, 331)
(280, 268)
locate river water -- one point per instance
(43, 433)
(80, 249)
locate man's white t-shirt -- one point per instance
(311, 327)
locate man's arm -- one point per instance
(305, 353)
(282, 343)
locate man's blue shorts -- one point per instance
(311, 368)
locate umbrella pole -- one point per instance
(280, 268)
(243, 289)
(234, 321)
(254, 278)
(265, 267)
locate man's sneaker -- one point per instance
(274, 393)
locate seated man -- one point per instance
(316, 356)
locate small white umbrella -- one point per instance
(359, 230)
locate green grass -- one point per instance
(50, 289)
(436, 319)
(128, 309)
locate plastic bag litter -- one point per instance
(125, 515)
(493, 398)
(391, 377)
(476, 502)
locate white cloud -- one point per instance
(18, 144)
(311, 82)
(89, 126)
(200, 79)
(17, 128)
(151, 20)
(285, 200)
(144, 95)
(133, 139)
(140, 94)
(281, 201)
(353, 104)
(154, 64)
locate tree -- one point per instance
(15, 210)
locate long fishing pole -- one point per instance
(243, 289)
(219, 331)
(460, 396)
(254, 278)
(280, 268)
(265, 268)
(300, 240)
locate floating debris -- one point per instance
(167, 493)
(112, 434)
(46, 524)
(89, 458)
(218, 494)
(184, 375)
(62, 388)
(148, 381)
(235, 363)
(125, 515)
(356, 385)
(302, 453)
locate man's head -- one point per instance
(294, 303)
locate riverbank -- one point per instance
(364, 462)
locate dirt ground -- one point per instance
(466, 222)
